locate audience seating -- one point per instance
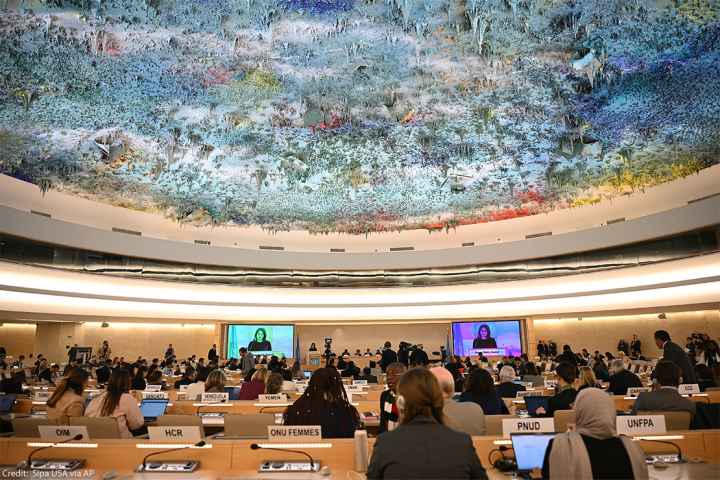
(248, 426)
(673, 420)
(104, 427)
(493, 424)
(28, 426)
(563, 418)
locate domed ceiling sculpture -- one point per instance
(357, 115)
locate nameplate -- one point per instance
(55, 433)
(550, 383)
(360, 382)
(529, 393)
(527, 385)
(187, 434)
(688, 388)
(354, 388)
(153, 388)
(272, 398)
(42, 396)
(155, 395)
(215, 397)
(635, 391)
(294, 433)
(527, 425)
(640, 424)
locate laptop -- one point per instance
(307, 374)
(6, 403)
(153, 408)
(233, 393)
(534, 402)
(529, 450)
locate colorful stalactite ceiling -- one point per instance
(357, 115)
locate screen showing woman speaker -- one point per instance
(491, 338)
(261, 339)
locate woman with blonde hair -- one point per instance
(255, 387)
(422, 446)
(215, 382)
(587, 379)
(67, 400)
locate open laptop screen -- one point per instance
(151, 408)
(534, 402)
(6, 403)
(530, 449)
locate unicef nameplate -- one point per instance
(272, 398)
(635, 391)
(153, 388)
(294, 433)
(58, 433)
(360, 382)
(640, 424)
(688, 388)
(215, 397)
(527, 425)
(186, 434)
(155, 395)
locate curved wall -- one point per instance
(32, 292)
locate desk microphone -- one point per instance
(677, 447)
(255, 446)
(201, 443)
(79, 436)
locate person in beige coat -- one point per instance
(116, 402)
(67, 400)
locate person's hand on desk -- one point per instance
(540, 411)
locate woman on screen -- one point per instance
(483, 339)
(260, 342)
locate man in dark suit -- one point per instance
(674, 353)
(635, 346)
(666, 398)
(567, 356)
(213, 355)
(388, 356)
(621, 379)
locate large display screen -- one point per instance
(261, 339)
(491, 338)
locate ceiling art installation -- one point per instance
(357, 116)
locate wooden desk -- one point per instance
(233, 458)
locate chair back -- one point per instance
(493, 424)
(98, 427)
(250, 426)
(562, 419)
(673, 420)
(180, 421)
(27, 427)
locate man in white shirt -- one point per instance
(466, 417)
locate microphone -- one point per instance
(79, 436)
(201, 443)
(255, 446)
(677, 447)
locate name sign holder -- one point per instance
(294, 433)
(527, 425)
(55, 433)
(635, 391)
(273, 398)
(214, 397)
(688, 388)
(529, 393)
(154, 388)
(186, 434)
(640, 424)
(155, 395)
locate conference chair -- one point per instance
(181, 421)
(248, 426)
(563, 418)
(27, 427)
(493, 424)
(673, 420)
(100, 427)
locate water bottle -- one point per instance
(361, 451)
